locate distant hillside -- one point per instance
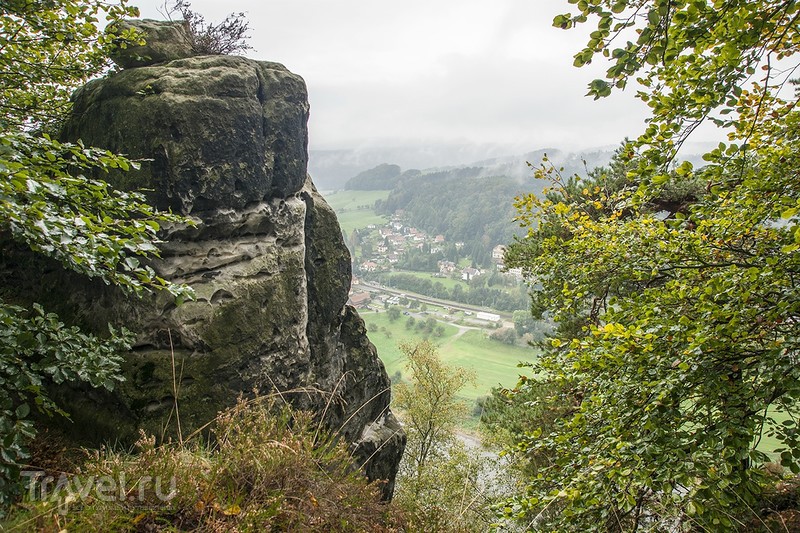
(470, 204)
(462, 204)
(331, 169)
(381, 178)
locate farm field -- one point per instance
(494, 363)
(354, 209)
(448, 282)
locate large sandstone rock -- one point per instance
(213, 132)
(223, 139)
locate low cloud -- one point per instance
(444, 71)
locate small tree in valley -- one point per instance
(438, 480)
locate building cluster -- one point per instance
(394, 239)
(361, 299)
(499, 258)
(390, 241)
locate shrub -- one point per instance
(505, 335)
(227, 37)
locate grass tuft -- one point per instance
(267, 468)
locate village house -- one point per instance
(498, 253)
(469, 273)
(516, 272)
(359, 300)
(446, 267)
(369, 266)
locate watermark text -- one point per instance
(66, 490)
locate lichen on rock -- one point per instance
(213, 132)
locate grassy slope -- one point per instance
(447, 282)
(768, 443)
(354, 209)
(494, 363)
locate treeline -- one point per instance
(384, 177)
(457, 204)
(477, 293)
(422, 260)
(461, 205)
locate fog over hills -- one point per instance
(331, 169)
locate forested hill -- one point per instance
(384, 177)
(473, 204)
(467, 203)
(462, 204)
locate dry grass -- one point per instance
(268, 469)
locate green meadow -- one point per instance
(354, 209)
(448, 282)
(494, 363)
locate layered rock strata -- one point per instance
(223, 140)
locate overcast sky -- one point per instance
(386, 73)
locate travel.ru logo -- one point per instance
(67, 490)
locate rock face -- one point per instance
(165, 41)
(219, 132)
(223, 139)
